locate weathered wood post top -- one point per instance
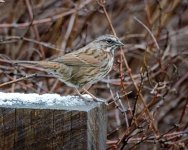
(50, 121)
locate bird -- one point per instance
(85, 66)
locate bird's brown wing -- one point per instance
(78, 59)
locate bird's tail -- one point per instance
(43, 64)
(25, 62)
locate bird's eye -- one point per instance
(109, 41)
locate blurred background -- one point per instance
(147, 89)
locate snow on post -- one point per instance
(50, 121)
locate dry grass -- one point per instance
(147, 89)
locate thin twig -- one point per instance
(45, 20)
(17, 80)
(153, 37)
(9, 39)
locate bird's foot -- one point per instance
(89, 98)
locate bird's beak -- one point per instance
(119, 43)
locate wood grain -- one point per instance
(41, 128)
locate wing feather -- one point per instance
(80, 58)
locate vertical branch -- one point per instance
(102, 4)
(28, 5)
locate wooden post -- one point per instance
(51, 122)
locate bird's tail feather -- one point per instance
(43, 64)
(26, 62)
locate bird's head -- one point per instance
(108, 43)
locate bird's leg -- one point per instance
(94, 97)
(86, 88)
(78, 92)
(88, 99)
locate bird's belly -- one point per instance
(101, 72)
(83, 76)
